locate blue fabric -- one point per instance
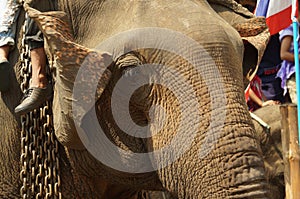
(272, 90)
(271, 57)
(268, 68)
(262, 8)
(8, 21)
(9, 16)
(287, 68)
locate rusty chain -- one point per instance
(39, 147)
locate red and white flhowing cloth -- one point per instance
(277, 12)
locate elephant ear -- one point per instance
(253, 31)
(255, 35)
(76, 68)
(232, 5)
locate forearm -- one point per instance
(288, 56)
(254, 98)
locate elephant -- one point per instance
(271, 145)
(268, 133)
(195, 142)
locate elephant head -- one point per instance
(158, 102)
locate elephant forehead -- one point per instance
(195, 19)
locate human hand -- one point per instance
(270, 102)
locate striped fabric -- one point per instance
(277, 13)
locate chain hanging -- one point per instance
(39, 147)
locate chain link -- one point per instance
(39, 147)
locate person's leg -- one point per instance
(38, 62)
(35, 40)
(8, 20)
(4, 52)
(8, 24)
(40, 90)
(5, 68)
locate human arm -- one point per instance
(254, 97)
(260, 102)
(285, 54)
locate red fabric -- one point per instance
(277, 12)
(255, 85)
(279, 21)
(247, 93)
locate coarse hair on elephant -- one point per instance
(148, 95)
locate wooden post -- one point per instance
(290, 150)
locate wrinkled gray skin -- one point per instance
(270, 142)
(73, 185)
(233, 168)
(272, 148)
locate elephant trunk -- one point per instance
(232, 168)
(203, 131)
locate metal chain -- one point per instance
(39, 147)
